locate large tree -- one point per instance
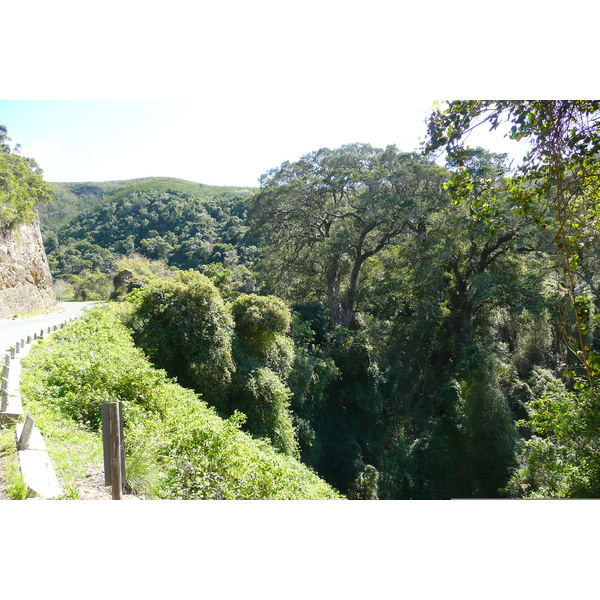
(21, 184)
(557, 182)
(323, 217)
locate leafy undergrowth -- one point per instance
(12, 483)
(176, 446)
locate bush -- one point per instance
(259, 320)
(177, 445)
(264, 358)
(561, 460)
(184, 327)
(265, 400)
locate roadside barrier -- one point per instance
(36, 466)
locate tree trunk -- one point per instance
(332, 277)
(461, 318)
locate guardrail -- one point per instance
(36, 466)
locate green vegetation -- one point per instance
(15, 486)
(403, 329)
(22, 188)
(178, 222)
(555, 189)
(321, 219)
(176, 446)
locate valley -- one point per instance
(394, 327)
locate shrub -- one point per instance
(183, 326)
(265, 400)
(177, 445)
(259, 320)
(264, 358)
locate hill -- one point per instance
(88, 227)
(71, 199)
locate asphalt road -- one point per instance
(12, 330)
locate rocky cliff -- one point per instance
(25, 279)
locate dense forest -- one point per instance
(405, 329)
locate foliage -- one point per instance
(263, 356)
(22, 188)
(259, 320)
(264, 399)
(322, 218)
(92, 226)
(136, 272)
(425, 304)
(183, 326)
(562, 458)
(180, 224)
(554, 188)
(339, 406)
(72, 199)
(556, 184)
(490, 433)
(190, 451)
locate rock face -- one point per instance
(25, 279)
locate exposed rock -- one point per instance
(25, 279)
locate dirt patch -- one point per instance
(3, 494)
(91, 487)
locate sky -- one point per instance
(206, 142)
(217, 143)
(219, 93)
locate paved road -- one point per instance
(12, 330)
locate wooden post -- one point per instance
(26, 433)
(4, 383)
(12, 352)
(18, 347)
(4, 401)
(114, 452)
(29, 339)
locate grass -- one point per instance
(14, 482)
(35, 314)
(71, 448)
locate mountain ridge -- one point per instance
(73, 198)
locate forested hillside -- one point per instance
(408, 330)
(89, 227)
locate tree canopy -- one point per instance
(557, 182)
(21, 185)
(320, 219)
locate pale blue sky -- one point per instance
(261, 82)
(209, 142)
